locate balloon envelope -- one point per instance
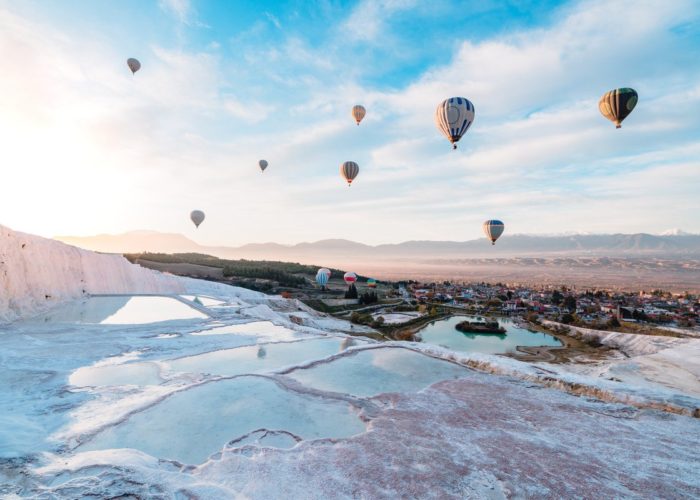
(453, 117)
(322, 277)
(197, 216)
(493, 229)
(372, 283)
(617, 104)
(134, 65)
(349, 171)
(262, 164)
(358, 112)
(350, 278)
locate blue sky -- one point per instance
(89, 148)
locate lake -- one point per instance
(443, 333)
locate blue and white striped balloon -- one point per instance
(493, 229)
(453, 118)
(322, 276)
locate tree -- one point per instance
(639, 315)
(360, 318)
(352, 292)
(570, 303)
(368, 298)
(613, 322)
(378, 322)
(557, 297)
(567, 318)
(495, 302)
(533, 317)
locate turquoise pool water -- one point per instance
(191, 425)
(121, 310)
(443, 333)
(376, 371)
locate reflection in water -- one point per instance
(256, 358)
(253, 328)
(347, 342)
(203, 300)
(377, 371)
(444, 333)
(121, 310)
(191, 425)
(499, 336)
(141, 374)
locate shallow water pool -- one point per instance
(140, 374)
(261, 357)
(376, 371)
(122, 310)
(192, 425)
(253, 328)
(203, 300)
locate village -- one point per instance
(592, 308)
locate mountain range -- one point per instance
(333, 251)
(628, 261)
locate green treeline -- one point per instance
(285, 273)
(267, 273)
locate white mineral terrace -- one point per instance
(120, 381)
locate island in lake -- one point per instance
(480, 326)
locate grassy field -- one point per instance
(289, 274)
(297, 280)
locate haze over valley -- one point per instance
(628, 261)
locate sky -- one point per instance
(89, 148)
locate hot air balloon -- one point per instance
(453, 118)
(372, 283)
(493, 230)
(134, 65)
(617, 104)
(349, 171)
(358, 113)
(350, 278)
(197, 217)
(263, 165)
(322, 277)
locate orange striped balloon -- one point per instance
(358, 113)
(617, 104)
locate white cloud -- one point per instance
(251, 112)
(367, 22)
(189, 128)
(181, 9)
(274, 20)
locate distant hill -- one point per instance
(631, 261)
(336, 251)
(133, 242)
